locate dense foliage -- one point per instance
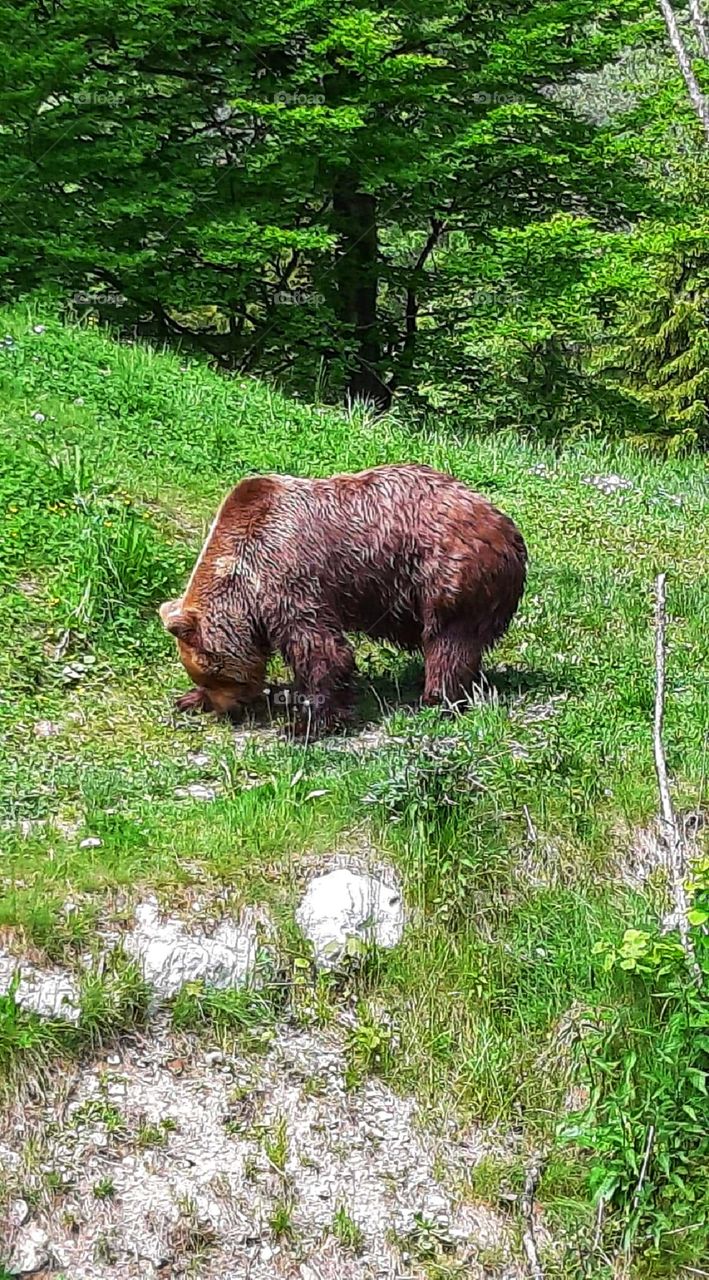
(439, 199)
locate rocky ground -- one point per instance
(170, 1156)
(145, 1163)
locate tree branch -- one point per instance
(438, 227)
(529, 1243)
(699, 23)
(696, 97)
(670, 829)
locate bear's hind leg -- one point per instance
(452, 658)
(323, 665)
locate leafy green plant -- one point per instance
(275, 1145)
(281, 1219)
(104, 1189)
(346, 1230)
(369, 1047)
(433, 776)
(647, 1124)
(149, 1134)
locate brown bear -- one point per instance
(401, 553)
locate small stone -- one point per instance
(91, 842)
(46, 729)
(31, 1252)
(609, 484)
(114, 1059)
(51, 994)
(38, 328)
(19, 1212)
(214, 1058)
(195, 791)
(198, 758)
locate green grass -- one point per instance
(508, 825)
(346, 1230)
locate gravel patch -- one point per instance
(124, 1203)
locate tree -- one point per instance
(277, 182)
(663, 354)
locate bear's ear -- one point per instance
(181, 623)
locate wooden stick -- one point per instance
(643, 1170)
(674, 847)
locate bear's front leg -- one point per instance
(194, 700)
(452, 661)
(323, 665)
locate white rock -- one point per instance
(609, 484)
(170, 954)
(195, 791)
(49, 993)
(91, 842)
(18, 1213)
(31, 1251)
(47, 729)
(345, 904)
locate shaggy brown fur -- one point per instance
(402, 553)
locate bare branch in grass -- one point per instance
(673, 840)
(531, 1182)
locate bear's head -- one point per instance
(226, 679)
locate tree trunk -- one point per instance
(699, 23)
(684, 61)
(354, 219)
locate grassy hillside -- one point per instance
(520, 829)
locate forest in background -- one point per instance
(496, 214)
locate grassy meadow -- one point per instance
(520, 829)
